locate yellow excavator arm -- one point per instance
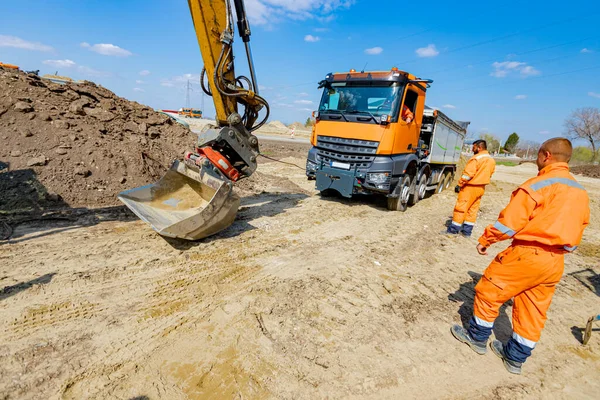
(195, 198)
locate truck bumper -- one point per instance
(344, 182)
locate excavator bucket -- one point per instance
(186, 203)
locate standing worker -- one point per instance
(545, 218)
(471, 184)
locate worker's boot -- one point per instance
(514, 367)
(467, 229)
(462, 335)
(454, 228)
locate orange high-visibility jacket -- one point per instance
(406, 113)
(551, 209)
(479, 170)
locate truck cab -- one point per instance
(369, 137)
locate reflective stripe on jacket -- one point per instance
(478, 170)
(551, 209)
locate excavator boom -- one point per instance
(195, 198)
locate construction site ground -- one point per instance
(303, 297)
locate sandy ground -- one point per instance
(301, 298)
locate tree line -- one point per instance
(582, 124)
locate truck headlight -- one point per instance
(311, 166)
(379, 178)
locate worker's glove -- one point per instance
(457, 188)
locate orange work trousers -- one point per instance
(529, 273)
(467, 204)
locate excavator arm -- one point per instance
(195, 198)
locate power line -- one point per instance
(516, 54)
(499, 38)
(528, 80)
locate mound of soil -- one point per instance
(593, 171)
(78, 144)
(276, 125)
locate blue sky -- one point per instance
(504, 67)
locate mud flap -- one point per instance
(336, 179)
(185, 203)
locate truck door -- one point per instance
(414, 100)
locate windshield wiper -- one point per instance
(363, 112)
(336, 111)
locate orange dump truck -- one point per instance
(374, 135)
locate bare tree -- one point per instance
(584, 123)
(527, 149)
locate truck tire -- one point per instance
(419, 191)
(327, 193)
(400, 203)
(449, 180)
(442, 183)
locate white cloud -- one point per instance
(592, 94)
(93, 72)
(303, 94)
(180, 80)
(82, 69)
(304, 109)
(18, 43)
(321, 29)
(586, 50)
(529, 71)
(311, 38)
(429, 51)
(145, 72)
(544, 132)
(450, 106)
(520, 97)
(305, 102)
(374, 50)
(139, 82)
(265, 12)
(85, 45)
(503, 69)
(137, 89)
(107, 49)
(60, 63)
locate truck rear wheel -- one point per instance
(449, 180)
(442, 183)
(400, 203)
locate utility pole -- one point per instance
(187, 95)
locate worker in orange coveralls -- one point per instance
(476, 175)
(407, 115)
(545, 218)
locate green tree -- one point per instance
(309, 122)
(511, 143)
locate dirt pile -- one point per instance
(276, 125)
(77, 144)
(593, 171)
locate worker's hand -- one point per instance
(481, 250)
(457, 188)
(408, 120)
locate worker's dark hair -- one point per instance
(481, 143)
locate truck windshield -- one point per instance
(376, 98)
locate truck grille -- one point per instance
(358, 153)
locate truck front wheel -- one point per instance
(420, 190)
(400, 203)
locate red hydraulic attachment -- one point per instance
(216, 158)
